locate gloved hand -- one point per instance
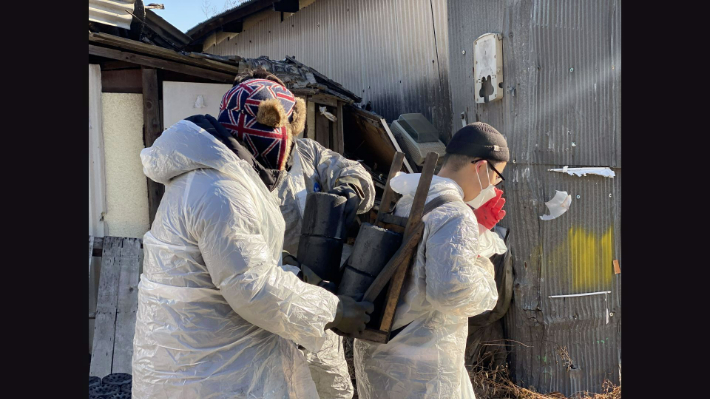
(351, 316)
(310, 277)
(288, 259)
(352, 204)
(491, 212)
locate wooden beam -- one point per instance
(338, 136)
(369, 335)
(152, 128)
(322, 130)
(388, 194)
(159, 63)
(310, 120)
(325, 99)
(122, 81)
(159, 52)
(414, 229)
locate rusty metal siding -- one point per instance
(393, 53)
(563, 59)
(571, 254)
(545, 108)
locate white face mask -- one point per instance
(485, 195)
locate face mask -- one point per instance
(485, 195)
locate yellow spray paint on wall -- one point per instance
(589, 258)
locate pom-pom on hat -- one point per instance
(264, 116)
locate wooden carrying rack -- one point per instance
(395, 270)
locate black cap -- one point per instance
(479, 139)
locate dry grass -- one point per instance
(496, 384)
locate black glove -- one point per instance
(352, 316)
(288, 259)
(353, 197)
(310, 277)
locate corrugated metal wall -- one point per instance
(561, 106)
(392, 53)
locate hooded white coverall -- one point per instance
(217, 315)
(314, 164)
(448, 284)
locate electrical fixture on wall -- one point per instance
(488, 67)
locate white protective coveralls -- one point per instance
(217, 315)
(448, 284)
(313, 163)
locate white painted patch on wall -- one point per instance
(601, 171)
(184, 99)
(126, 185)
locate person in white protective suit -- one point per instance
(218, 315)
(312, 168)
(449, 281)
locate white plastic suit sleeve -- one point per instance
(241, 265)
(456, 283)
(330, 166)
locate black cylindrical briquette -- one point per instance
(373, 248)
(322, 255)
(354, 283)
(323, 215)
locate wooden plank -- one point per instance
(338, 135)
(91, 252)
(325, 99)
(322, 130)
(389, 218)
(417, 211)
(105, 323)
(159, 52)
(97, 175)
(372, 335)
(98, 246)
(414, 224)
(122, 81)
(127, 305)
(160, 63)
(395, 144)
(151, 131)
(388, 194)
(310, 120)
(113, 65)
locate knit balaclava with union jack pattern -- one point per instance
(265, 117)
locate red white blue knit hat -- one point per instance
(264, 116)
